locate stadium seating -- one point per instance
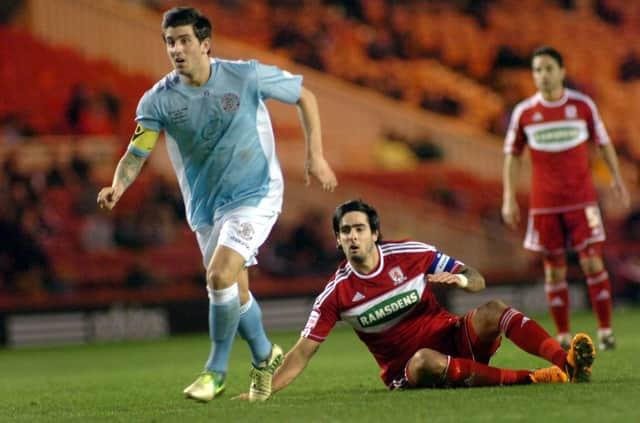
(449, 64)
(447, 52)
(52, 72)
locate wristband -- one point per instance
(463, 281)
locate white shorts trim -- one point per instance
(532, 242)
(561, 209)
(243, 230)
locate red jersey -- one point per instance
(392, 309)
(557, 133)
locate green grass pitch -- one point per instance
(143, 382)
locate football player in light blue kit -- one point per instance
(221, 145)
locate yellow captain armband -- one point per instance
(143, 140)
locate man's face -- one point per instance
(547, 74)
(355, 237)
(184, 49)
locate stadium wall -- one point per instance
(136, 322)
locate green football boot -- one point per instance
(206, 387)
(260, 389)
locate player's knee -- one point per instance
(555, 269)
(554, 280)
(426, 364)
(591, 263)
(555, 275)
(487, 317)
(591, 266)
(219, 278)
(493, 309)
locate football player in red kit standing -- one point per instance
(556, 124)
(383, 290)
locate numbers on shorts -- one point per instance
(593, 217)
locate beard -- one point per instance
(359, 259)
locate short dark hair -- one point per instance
(180, 16)
(359, 206)
(548, 51)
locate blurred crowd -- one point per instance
(457, 58)
(50, 212)
(54, 239)
(31, 216)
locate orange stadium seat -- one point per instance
(54, 70)
(452, 55)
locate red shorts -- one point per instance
(554, 232)
(465, 344)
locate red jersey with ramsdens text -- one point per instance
(392, 309)
(557, 134)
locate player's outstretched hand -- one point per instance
(511, 213)
(444, 278)
(107, 198)
(320, 169)
(242, 396)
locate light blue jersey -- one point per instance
(219, 136)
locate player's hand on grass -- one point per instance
(242, 396)
(320, 169)
(108, 197)
(511, 213)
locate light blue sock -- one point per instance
(252, 331)
(224, 315)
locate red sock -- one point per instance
(464, 372)
(558, 300)
(531, 337)
(600, 295)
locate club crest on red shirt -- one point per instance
(570, 111)
(397, 276)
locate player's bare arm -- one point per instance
(295, 361)
(467, 278)
(126, 172)
(143, 140)
(510, 208)
(315, 164)
(611, 159)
